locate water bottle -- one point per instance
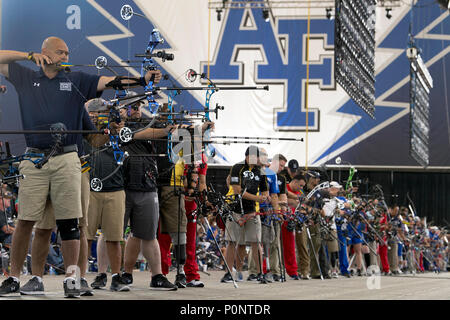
(51, 271)
(5, 261)
(142, 266)
(25, 269)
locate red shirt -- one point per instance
(288, 187)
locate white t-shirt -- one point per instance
(329, 208)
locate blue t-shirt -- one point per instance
(45, 101)
(272, 182)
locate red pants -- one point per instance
(164, 241)
(191, 266)
(290, 261)
(384, 257)
(421, 262)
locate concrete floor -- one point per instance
(428, 286)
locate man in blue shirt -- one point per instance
(51, 98)
(267, 228)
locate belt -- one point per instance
(46, 152)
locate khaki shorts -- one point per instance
(60, 179)
(333, 244)
(106, 212)
(169, 207)
(250, 232)
(48, 220)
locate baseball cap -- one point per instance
(137, 99)
(96, 105)
(293, 164)
(334, 184)
(314, 174)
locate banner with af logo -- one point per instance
(244, 49)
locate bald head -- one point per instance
(52, 42)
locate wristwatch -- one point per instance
(30, 55)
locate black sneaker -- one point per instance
(227, 278)
(180, 280)
(276, 278)
(33, 287)
(71, 288)
(195, 284)
(127, 278)
(252, 277)
(85, 290)
(358, 272)
(159, 282)
(117, 284)
(10, 288)
(99, 281)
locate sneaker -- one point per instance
(159, 282)
(239, 276)
(99, 281)
(294, 277)
(316, 277)
(347, 275)
(276, 278)
(180, 280)
(127, 278)
(33, 287)
(266, 278)
(227, 278)
(307, 277)
(334, 275)
(252, 277)
(117, 284)
(195, 284)
(85, 290)
(327, 276)
(10, 288)
(71, 288)
(358, 272)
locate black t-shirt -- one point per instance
(45, 101)
(282, 183)
(252, 180)
(102, 165)
(140, 172)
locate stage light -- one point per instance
(265, 14)
(355, 51)
(421, 83)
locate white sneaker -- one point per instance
(334, 275)
(239, 277)
(195, 284)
